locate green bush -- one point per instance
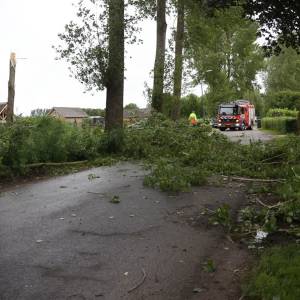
(191, 103)
(45, 139)
(282, 112)
(277, 275)
(284, 99)
(17, 144)
(280, 124)
(113, 141)
(167, 105)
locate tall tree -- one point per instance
(223, 53)
(11, 88)
(282, 80)
(283, 72)
(115, 69)
(94, 48)
(179, 42)
(159, 65)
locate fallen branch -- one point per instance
(140, 283)
(289, 231)
(263, 204)
(271, 158)
(272, 206)
(254, 179)
(74, 163)
(228, 237)
(95, 193)
(272, 163)
(296, 175)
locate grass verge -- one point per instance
(276, 276)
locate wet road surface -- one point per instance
(248, 136)
(61, 238)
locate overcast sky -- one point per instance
(30, 28)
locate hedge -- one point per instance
(280, 124)
(284, 99)
(282, 112)
(44, 140)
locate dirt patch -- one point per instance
(220, 271)
(230, 263)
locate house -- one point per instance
(96, 121)
(3, 112)
(72, 115)
(135, 115)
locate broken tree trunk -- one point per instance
(11, 88)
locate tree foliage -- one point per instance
(223, 53)
(84, 43)
(94, 111)
(131, 106)
(279, 20)
(39, 112)
(283, 72)
(283, 99)
(190, 103)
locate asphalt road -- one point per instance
(248, 136)
(61, 238)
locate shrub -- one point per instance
(167, 105)
(113, 141)
(282, 112)
(44, 139)
(284, 99)
(18, 145)
(280, 124)
(190, 103)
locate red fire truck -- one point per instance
(239, 114)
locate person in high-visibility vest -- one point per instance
(193, 119)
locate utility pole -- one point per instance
(11, 88)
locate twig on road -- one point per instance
(94, 193)
(140, 283)
(52, 164)
(254, 179)
(228, 237)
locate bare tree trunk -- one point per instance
(178, 60)
(11, 88)
(159, 66)
(298, 124)
(115, 72)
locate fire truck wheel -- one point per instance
(222, 129)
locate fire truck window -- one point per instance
(228, 110)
